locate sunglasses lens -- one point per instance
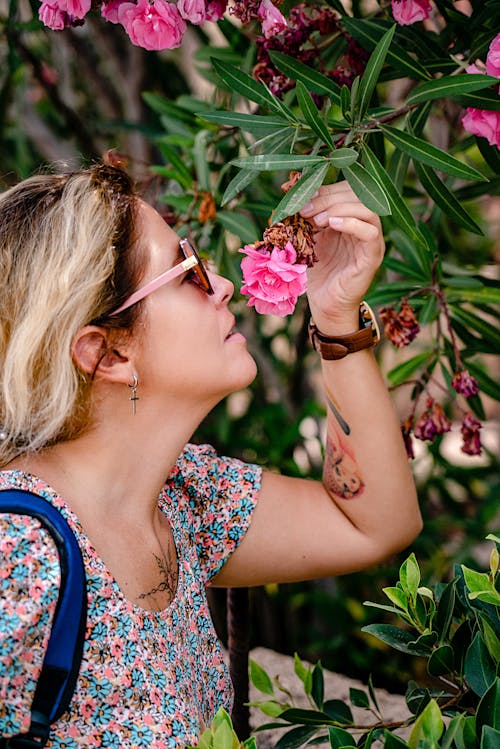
(199, 272)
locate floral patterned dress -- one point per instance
(147, 679)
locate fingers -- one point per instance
(335, 202)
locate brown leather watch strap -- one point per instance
(336, 347)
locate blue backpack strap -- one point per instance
(65, 647)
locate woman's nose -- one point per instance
(223, 288)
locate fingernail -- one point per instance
(321, 219)
(316, 194)
(335, 221)
(307, 208)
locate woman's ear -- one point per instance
(94, 353)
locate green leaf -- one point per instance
(239, 224)
(453, 732)
(368, 189)
(450, 86)
(300, 193)
(479, 669)
(295, 738)
(428, 727)
(487, 295)
(306, 717)
(490, 738)
(409, 576)
(338, 711)
(490, 638)
(485, 100)
(318, 686)
(260, 678)
(402, 372)
(397, 638)
(359, 698)
(340, 738)
(428, 154)
(400, 212)
(200, 160)
(488, 710)
(444, 198)
(442, 661)
(252, 123)
(343, 157)
(372, 70)
(445, 608)
(182, 173)
(241, 180)
(312, 115)
(300, 670)
(393, 742)
(475, 322)
(244, 84)
(271, 162)
(486, 384)
(368, 33)
(314, 81)
(269, 707)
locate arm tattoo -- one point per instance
(168, 583)
(341, 475)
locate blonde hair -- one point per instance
(65, 262)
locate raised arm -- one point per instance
(366, 506)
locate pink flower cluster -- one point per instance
(157, 25)
(406, 12)
(486, 122)
(273, 279)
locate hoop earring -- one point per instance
(134, 397)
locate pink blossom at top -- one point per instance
(493, 58)
(156, 25)
(273, 280)
(216, 9)
(272, 19)
(52, 16)
(406, 12)
(75, 8)
(109, 10)
(483, 122)
(192, 10)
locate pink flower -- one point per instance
(153, 26)
(406, 12)
(272, 279)
(432, 422)
(402, 327)
(483, 122)
(53, 17)
(109, 11)
(192, 10)
(272, 19)
(493, 58)
(216, 9)
(75, 8)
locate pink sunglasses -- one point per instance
(191, 264)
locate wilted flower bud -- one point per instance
(432, 422)
(400, 327)
(470, 435)
(465, 384)
(406, 432)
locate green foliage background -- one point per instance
(208, 131)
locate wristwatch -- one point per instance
(336, 347)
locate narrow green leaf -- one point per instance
(260, 679)
(446, 605)
(345, 101)
(487, 295)
(271, 162)
(318, 686)
(477, 323)
(444, 198)
(368, 33)
(300, 670)
(402, 372)
(312, 115)
(239, 224)
(490, 638)
(343, 157)
(314, 81)
(485, 100)
(241, 180)
(428, 154)
(368, 189)
(200, 160)
(300, 193)
(244, 84)
(450, 85)
(372, 70)
(306, 717)
(403, 268)
(454, 732)
(400, 212)
(249, 122)
(488, 710)
(184, 177)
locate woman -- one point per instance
(115, 344)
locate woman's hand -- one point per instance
(350, 247)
